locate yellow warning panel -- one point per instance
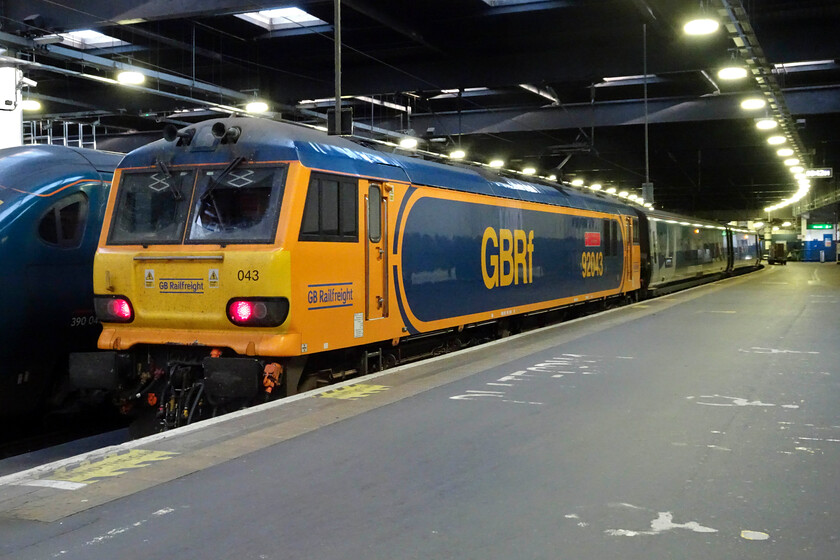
(354, 392)
(114, 465)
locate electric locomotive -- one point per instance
(244, 257)
(52, 201)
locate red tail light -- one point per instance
(258, 312)
(113, 309)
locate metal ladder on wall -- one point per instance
(63, 133)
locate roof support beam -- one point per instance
(801, 101)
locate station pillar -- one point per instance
(11, 114)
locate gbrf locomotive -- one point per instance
(241, 256)
(52, 201)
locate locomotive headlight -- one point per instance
(113, 309)
(258, 312)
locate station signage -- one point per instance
(820, 226)
(820, 172)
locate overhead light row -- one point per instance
(706, 25)
(410, 143)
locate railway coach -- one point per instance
(52, 201)
(241, 256)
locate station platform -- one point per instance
(700, 425)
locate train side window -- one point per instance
(64, 222)
(375, 213)
(636, 234)
(331, 210)
(616, 242)
(607, 239)
(329, 207)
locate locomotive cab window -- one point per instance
(331, 211)
(64, 222)
(237, 205)
(151, 208)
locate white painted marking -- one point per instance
(817, 439)
(58, 484)
(572, 516)
(734, 401)
(501, 384)
(718, 447)
(754, 535)
(665, 522)
(790, 406)
(163, 511)
(761, 350)
(626, 505)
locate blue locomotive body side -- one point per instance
(462, 258)
(52, 201)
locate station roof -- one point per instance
(554, 85)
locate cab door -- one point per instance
(632, 255)
(376, 253)
(628, 253)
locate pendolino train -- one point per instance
(52, 201)
(244, 256)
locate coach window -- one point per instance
(331, 209)
(636, 234)
(375, 213)
(607, 239)
(611, 239)
(64, 223)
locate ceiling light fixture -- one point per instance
(784, 152)
(766, 124)
(408, 143)
(595, 186)
(792, 161)
(776, 140)
(612, 190)
(496, 163)
(753, 103)
(577, 182)
(458, 154)
(256, 107)
(130, 77)
(30, 105)
(529, 171)
(701, 26)
(732, 73)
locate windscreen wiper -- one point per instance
(176, 194)
(216, 179)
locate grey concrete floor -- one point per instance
(703, 425)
